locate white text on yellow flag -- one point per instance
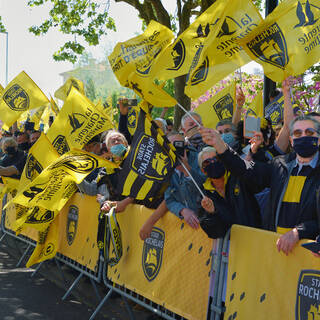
(219, 107)
(138, 54)
(185, 53)
(77, 122)
(56, 184)
(19, 95)
(224, 55)
(287, 42)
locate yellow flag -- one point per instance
(149, 91)
(256, 106)
(36, 116)
(138, 54)
(77, 122)
(287, 41)
(56, 184)
(65, 89)
(185, 53)
(47, 245)
(11, 185)
(20, 94)
(274, 110)
(219, 107)
(224, 55)
(1, 89)
(54, 106)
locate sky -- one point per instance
(32, 54)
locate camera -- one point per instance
(179, 145)
(132, 102)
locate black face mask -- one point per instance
(24, 146)
(215, 170)
(11, 151)
(306, 146)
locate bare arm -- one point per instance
(146, 229)
(282, 140)
(240, 99)
(8, 171)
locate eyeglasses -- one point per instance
(226, 130)
(206, 162)
(308, 132)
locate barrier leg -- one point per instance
(125, 300)
(23, 256)
(74, 284)
(95, 289)
(2, 237)
(100, 305)
(37, 268)
(61, 272)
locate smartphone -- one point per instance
(132, 102)
(312, 246)
(251, 124)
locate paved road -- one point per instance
(23, 297)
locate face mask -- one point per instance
(305, 146)
(215, 170)
(10, 151)
(118, 150)
(228, 138)
(23, 146)
(196, 139)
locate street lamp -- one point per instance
(7, 36)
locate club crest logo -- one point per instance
(72, 223)
(274, 111)
(224, 107)
(40, 215)
(150, 160)
(178, 54)
(152, 253)
(250, 112)
(270, 46)
(305, 15)
(228, 28)
(76, 121)
(33, 167)
(34, 191)
(308, 295)
(81, 163)
(201, 73)
(132, 119)
(16, 98)
(60, 144)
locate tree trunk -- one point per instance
(185, 101)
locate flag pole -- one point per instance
(190, 115)
(191, 177)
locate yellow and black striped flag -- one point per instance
(149, 163)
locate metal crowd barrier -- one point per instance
(217, 278)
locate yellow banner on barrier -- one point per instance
(171, 268)
(265, 284)
(78, 225)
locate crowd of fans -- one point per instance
(268, 181)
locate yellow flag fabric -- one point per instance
(287, 41)
(54, 106)
(274, 110)
(11, 185)
(20, 95)
(47, 245)
(256, 106)
(56, 184)
(184, 54)
(224, 55)
(1, 89)
(36, 116)
(77, 122)
(265, 284)
(149, 91)
(219, 107)
(138, 54)
(65, 89)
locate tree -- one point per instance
(89, 20)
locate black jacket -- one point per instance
(275, 175)
(238, 207)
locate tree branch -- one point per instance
(162, 14)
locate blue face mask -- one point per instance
(306, 146)
(228, 138)
(118, 150)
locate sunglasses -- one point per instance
(206, 162)
(308, 132)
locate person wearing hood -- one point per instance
(293, 180)
(12, 164)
